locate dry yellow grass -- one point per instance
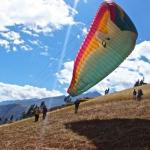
(112, 122)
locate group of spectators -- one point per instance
(137, 95)
(139, 82)
(40, 109)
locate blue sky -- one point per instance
(39, 41)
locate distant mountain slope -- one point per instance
(50, 101)
(6, 111)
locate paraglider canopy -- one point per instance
(110, 40)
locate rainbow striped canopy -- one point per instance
(110, 40)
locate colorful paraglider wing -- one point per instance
(111, 39)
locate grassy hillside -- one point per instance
(112, 122)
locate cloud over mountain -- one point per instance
(16, 92)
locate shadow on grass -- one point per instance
(117, 134)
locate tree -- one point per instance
(29, 113)
(5, 120)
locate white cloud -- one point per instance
(14, 49)
(4, 43)
(64, 76)
(109, 1)
(44, 53)
(26, 48)
(39, 15)
(31, 17)
(84, 31)
(13, 36)
(29, 32)
(85, 1)
(78, 36)
(77, 1)
(16, 92)
(10, 40)
(133, 68)
(35, 42)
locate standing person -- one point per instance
(44, 111)
(37, 113)
(139, 94)
(134, 94)
(105, 91)
(108, 91)
(142, 81)
(76, 103)
(137, 83)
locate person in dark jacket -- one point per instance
(77, 103)
(139, 94)
(44, 111)
(134, 94)
(37, 113)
